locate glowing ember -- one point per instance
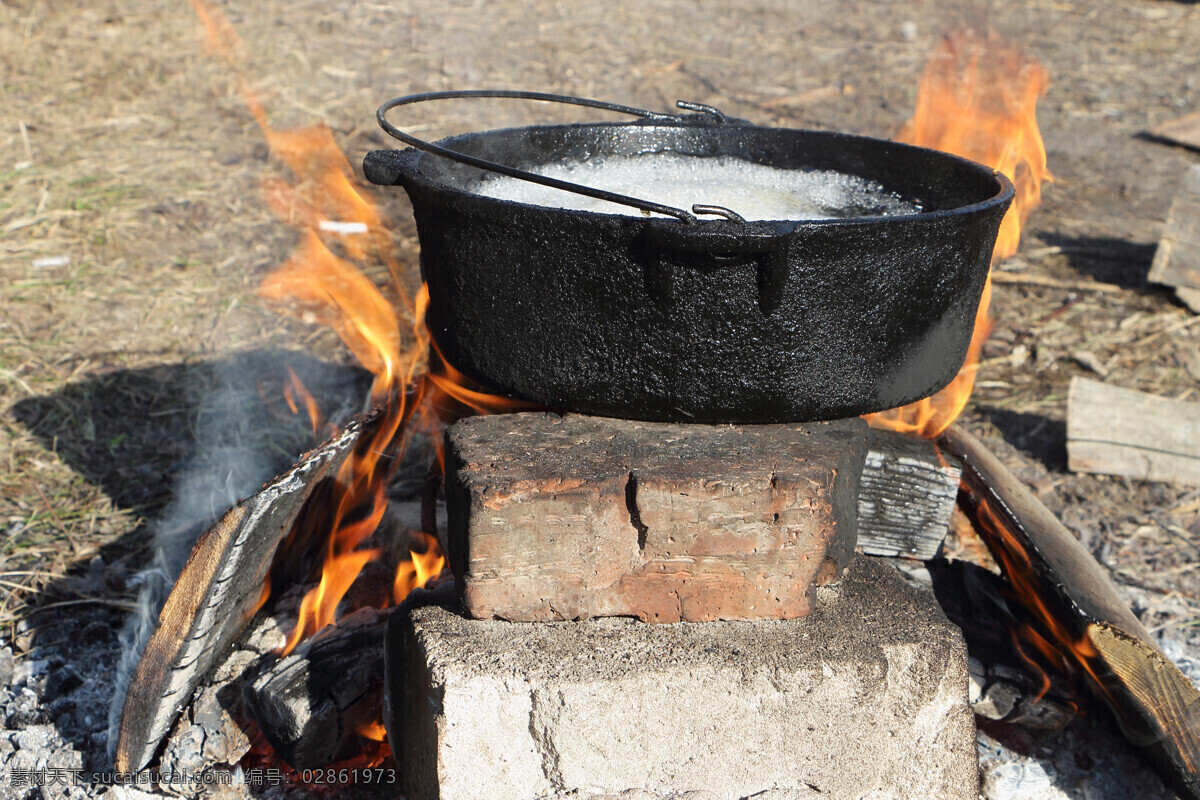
(373, 731)
(977, 99)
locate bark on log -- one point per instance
(1158, 707)
(905, 497)
(1115, 431)
(312, 704)
(575, 517)
(221, 586)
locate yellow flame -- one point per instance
(977, 99)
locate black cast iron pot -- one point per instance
(702, 320)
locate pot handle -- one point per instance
(672, 249)
(512, 172)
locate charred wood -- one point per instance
(211, 730)
(905, 497)
(1004, 687)
(1157, 706)
(313, 704)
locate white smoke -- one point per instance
(240, 445)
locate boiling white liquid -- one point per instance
(755, 191)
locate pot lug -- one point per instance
(703, 249)
(391, 167)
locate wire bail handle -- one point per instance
(554, 183)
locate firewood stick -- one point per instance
(215, 595)
(312, 704)
(1158, 707)
(1055, 283)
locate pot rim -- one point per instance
(413, 158)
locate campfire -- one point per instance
(682, 414)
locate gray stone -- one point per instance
(35, 737)
(23, 709)
(29, 669)
(998, 700)
(866, 698)
(7, 748)
(6, 666)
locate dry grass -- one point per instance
(127, 150)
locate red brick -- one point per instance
(574, 517)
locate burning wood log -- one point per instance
(211, 729)
(223, 583)
(1087, 624)
(1116, 431)
(314, 705)
(1177, 260)
(905, 497)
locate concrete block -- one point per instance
(865, 698)
(575, 517)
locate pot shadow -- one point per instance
(1107, 259)
(174, 445)
(1038, 437)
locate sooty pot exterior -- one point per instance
(711, 321)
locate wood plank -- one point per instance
(1177, 259)
(221, 586)
(1183, 130)
(1116, 431)
(1062, 585)
(906, 496)
(1156, 703)
(1189, 297)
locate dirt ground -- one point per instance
(133, 230)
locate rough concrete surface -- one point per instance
(866, 698)
(574, 517)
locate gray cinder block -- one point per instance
(865, 698)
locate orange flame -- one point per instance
(373, 730)
(296, 389)
(977, 99)
(342, 235)
(317, 284)
(422, 567)
(1068, 653)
